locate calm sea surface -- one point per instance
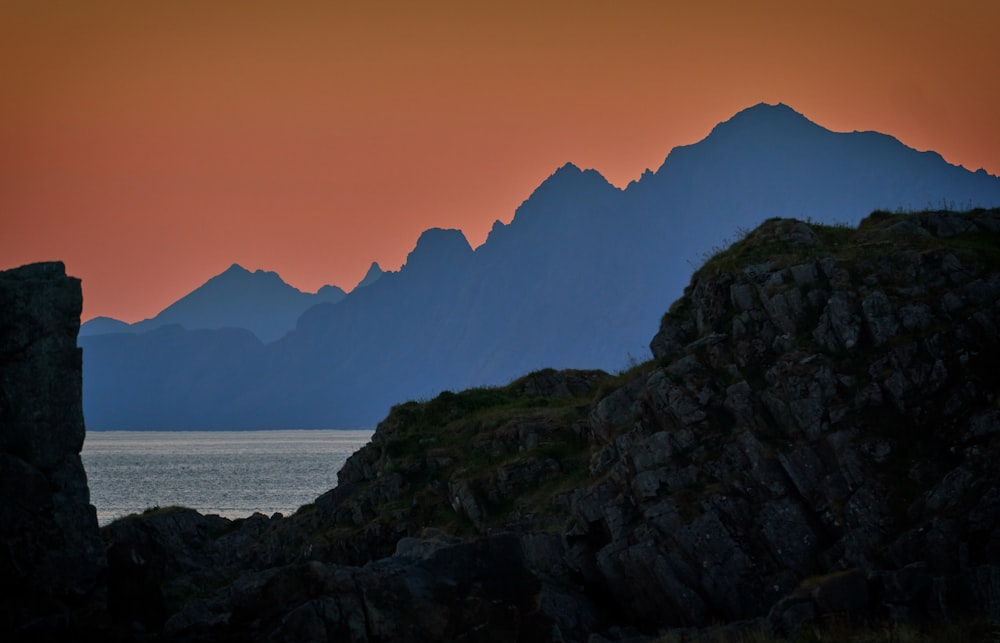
(230, 473)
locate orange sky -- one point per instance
(150, 144)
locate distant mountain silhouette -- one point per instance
(259, 301)
(579, 278)
(773, 157)
(374, 272)
(104, 325)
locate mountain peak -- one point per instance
(567, 168)
(764, 118)
(566, 181)
(565, 196)
(237, 274)
(329, 294)
(755, 132)
(103, 326)
(374, 272)
(768, 108)
(235, 269)
(571, 176)
(438, 247)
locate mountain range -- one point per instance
(578, 279)
(258, 301)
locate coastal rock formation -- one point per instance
(815, 439)
(52, 557)
(822, 415)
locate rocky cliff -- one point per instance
(52, 557)
(817, 435)
(815, 438)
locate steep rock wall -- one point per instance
(52, 557)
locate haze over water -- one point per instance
(230, 473)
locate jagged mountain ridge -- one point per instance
(577, 279)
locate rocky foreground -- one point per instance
(816, 438)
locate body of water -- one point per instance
(230, 473)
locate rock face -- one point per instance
(52, 558)
(816, 437)
(824, 403)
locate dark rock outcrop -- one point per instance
(815, 439)
(472, 591)
(52, 557)
(824, 402)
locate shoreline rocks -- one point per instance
(815, 439)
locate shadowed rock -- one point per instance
(52, 558)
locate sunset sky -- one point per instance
(150, 144)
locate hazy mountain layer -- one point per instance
(259, 301)
(579, 278)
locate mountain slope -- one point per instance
(577, 279)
